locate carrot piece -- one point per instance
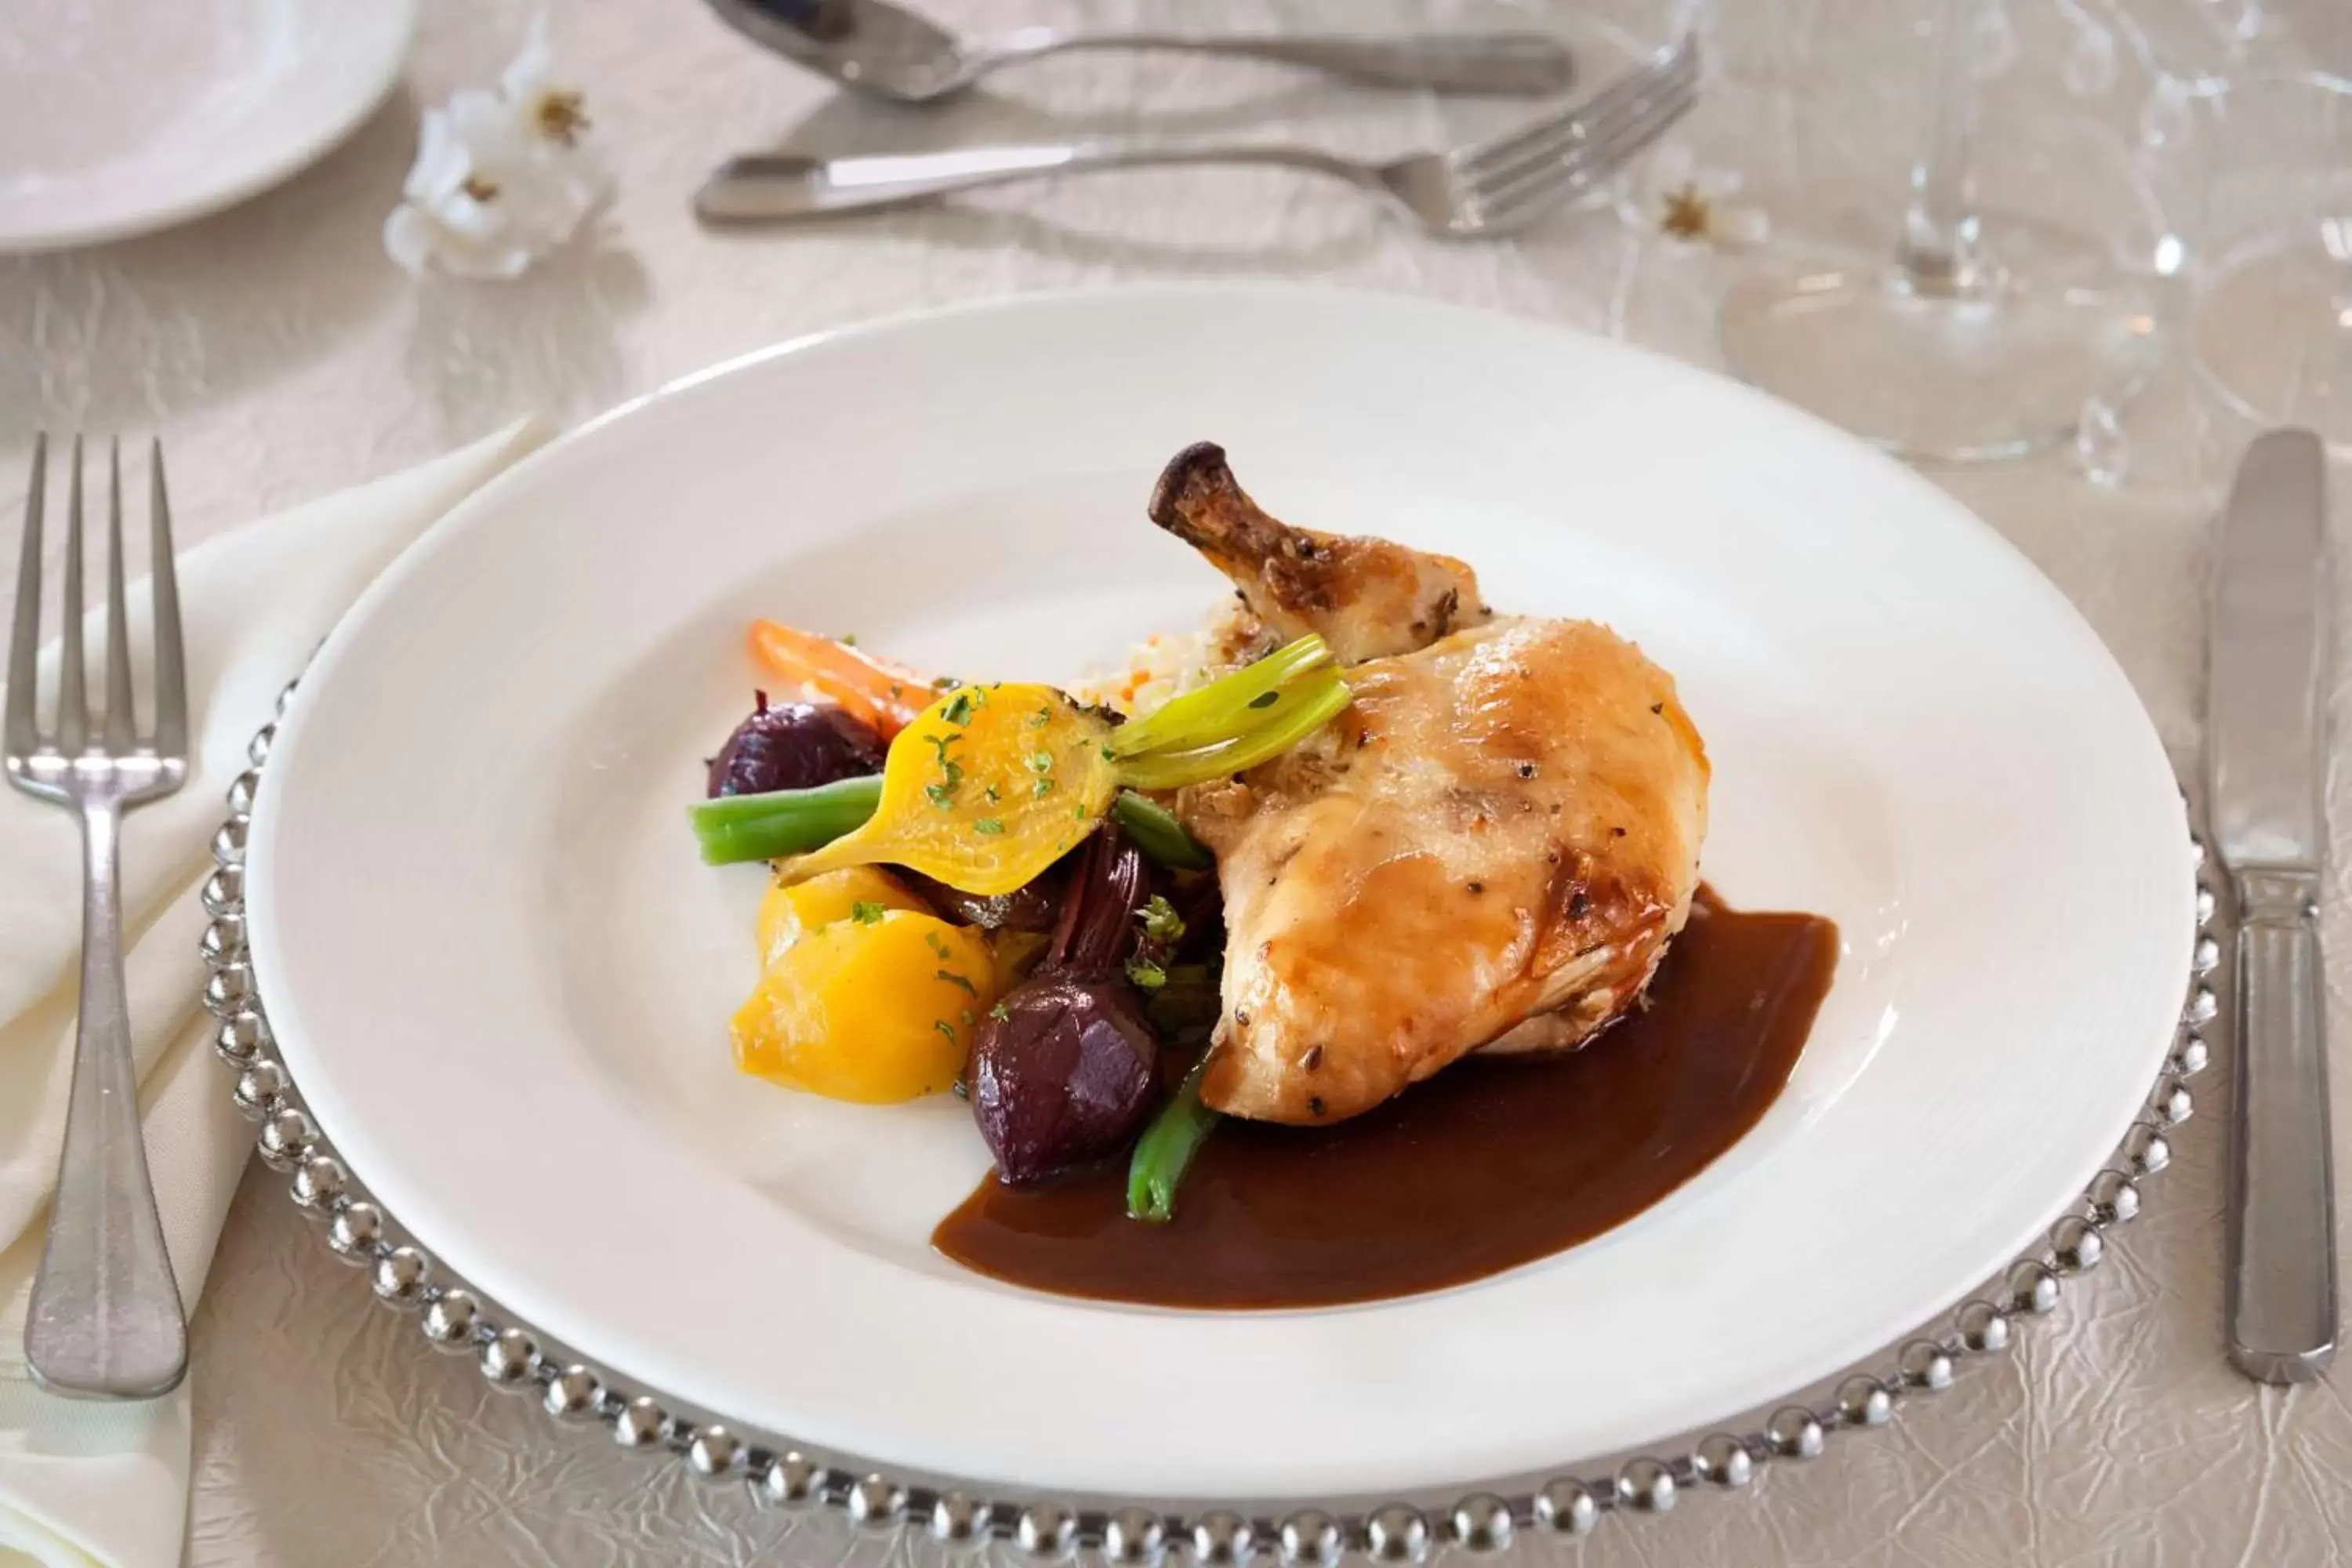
(885, 695)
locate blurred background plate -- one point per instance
(119, 119)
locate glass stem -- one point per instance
(1939, 254)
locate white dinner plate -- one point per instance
(118, 118)
(502, 978)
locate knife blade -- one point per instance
(2266, 755)
(2267, 714)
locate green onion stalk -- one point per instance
(1222, 708)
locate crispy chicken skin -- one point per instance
(1490, 848)
(1367, 597)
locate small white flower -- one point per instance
(1691, 205)
(501, 176)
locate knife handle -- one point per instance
(2282, 1311)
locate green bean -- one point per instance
(1158, 834)
(1186, 1007)
(1166, 1148)
(782, 822)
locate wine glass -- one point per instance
(1965, 336)
(2271, 324)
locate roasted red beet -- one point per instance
(798, 745)
(1109, 883)
(1064, 1069)
(1064, 1073)
(1036, 907)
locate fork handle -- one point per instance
(105, 1320)
(774, 187)
(1522, 62)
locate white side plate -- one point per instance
(502, 979)
(119, 118)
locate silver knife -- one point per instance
(2266, 750)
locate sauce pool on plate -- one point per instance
(1484, 1167)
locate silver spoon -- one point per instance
(884, 48)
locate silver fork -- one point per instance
(105, 1320)
(1491, 186)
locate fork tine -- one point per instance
(122, 735)
(1595, 121)
(73, 697)
(1542, 135)
(1543, 185)
(1543, 189)
(171, 664)
(22, 733)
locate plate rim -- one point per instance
(512, 1357)
(488, 496)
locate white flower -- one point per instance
(1691, 205)
(501, 177)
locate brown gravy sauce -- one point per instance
(1488, 1165)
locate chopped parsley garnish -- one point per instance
(1148, 976)
(959, 711)
(1041, 761)
(960, 983)
(865, 912)
(992, 793)
(1040, 718)
(848, 639)
(1000, 1012)
(943, 683)
(989, 826)
(965, 1015)
(1041, 789)
(1109, 755)
(938, 946)
(1161, 923)
(944, 1027)
(950, 774)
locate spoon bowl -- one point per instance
(884, 48)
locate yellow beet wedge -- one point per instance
(792, 910)
(876, 1008)
(987, 787)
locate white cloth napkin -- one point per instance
(84, 1484)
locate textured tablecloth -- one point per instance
(280, 355)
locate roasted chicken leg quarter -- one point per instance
(1490, 848)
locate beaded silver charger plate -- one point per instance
(457, 1320)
